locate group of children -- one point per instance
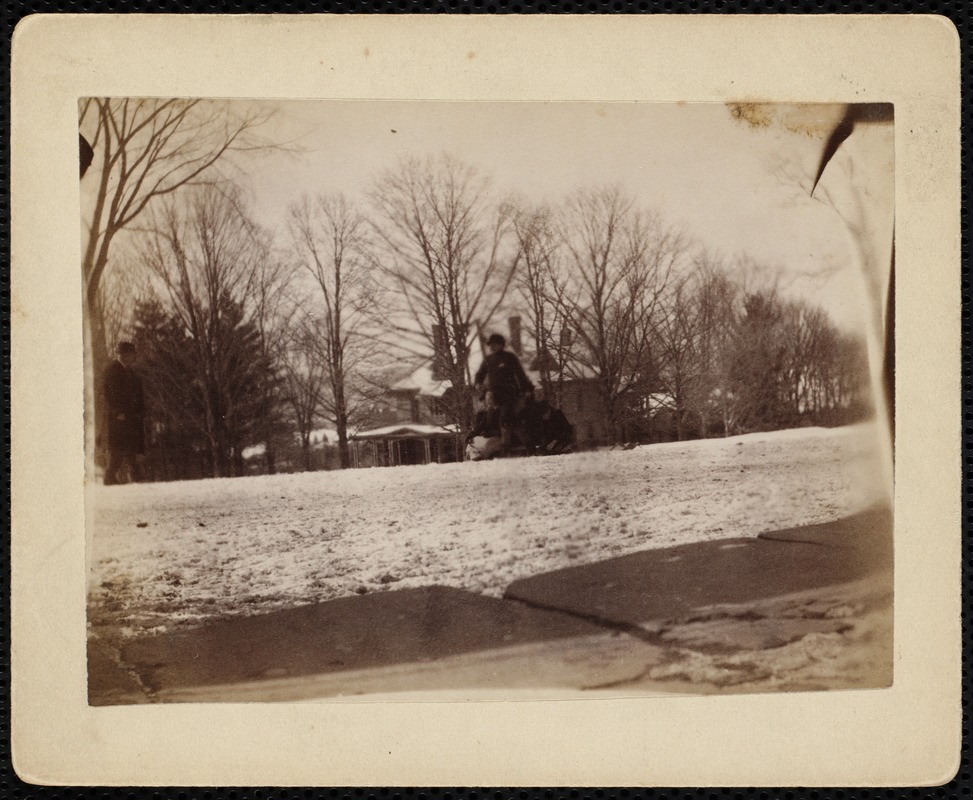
(514, 418)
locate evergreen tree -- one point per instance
(204, 412)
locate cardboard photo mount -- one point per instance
(906, 735)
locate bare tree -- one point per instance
(715, 297)
(732, 351)
(444, 248)
(329, 236)
(805, 331)
(121, 290)
(758, 363)
(207, 260)
(826, 370)
(144, 149)
(677, 347)
(621, 261)
(542, 285)
(305, 382)
(271, 311)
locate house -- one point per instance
(419, 428)
(419, 397)
(404, 444)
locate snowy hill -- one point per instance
(171, 554)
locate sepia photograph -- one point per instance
(391, 397)
(510, 401)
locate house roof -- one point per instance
(421, 381)
(408, 430)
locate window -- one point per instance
(439, 410)
(403, 405)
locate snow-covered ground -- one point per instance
(172, 554)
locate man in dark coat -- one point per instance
(125, 407)
(504, 385)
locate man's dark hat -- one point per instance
(496, 338)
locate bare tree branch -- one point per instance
(329, 239)
(445, 247)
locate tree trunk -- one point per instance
(90, 408)
(612, 421)
(96, 361)
(344, 454)
(215, 458)
(306, 451)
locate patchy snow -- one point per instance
(170, 554)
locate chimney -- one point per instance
(440, 353)
(565, 339)
(515, 342)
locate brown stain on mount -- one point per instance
(813, 120)
(756, 115)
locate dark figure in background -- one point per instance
(485, 423)
(483, 441)
(548, 430)
(125, 407)
(504, 385)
